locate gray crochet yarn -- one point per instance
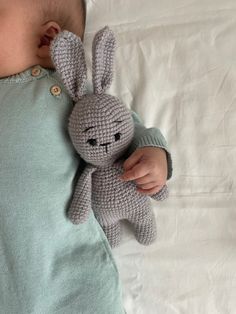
(101, 129)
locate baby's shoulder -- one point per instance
(47, 86)
(56, 84)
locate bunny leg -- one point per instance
(113, 233)
(145, 226)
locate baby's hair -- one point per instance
(70, 14)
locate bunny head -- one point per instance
(100, 126)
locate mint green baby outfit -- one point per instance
(47, 264)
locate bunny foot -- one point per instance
(113, 234)
(146, 233)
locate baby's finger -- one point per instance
(147, 186)
(132, 160)
(152, 191)
(144, 180)
(149, 178)
(136, 172)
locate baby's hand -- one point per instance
(147, 166)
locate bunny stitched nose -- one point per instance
(105, 144)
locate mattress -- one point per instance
(175, 66)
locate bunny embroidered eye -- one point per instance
(92, 142)
(117, 136)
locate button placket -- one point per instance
(36, 71)
(55, 90)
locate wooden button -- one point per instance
(56, 90)
(36, 71)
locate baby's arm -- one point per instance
(149, 161)
(149, 137)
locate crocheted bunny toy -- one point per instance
(101, 129)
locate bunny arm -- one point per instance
(81, 202)
(162, 194)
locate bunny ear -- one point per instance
(103, 59)
(68, 56)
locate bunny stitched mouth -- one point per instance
(105, 144)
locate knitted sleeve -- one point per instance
(149, 137)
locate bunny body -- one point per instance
(101, 129)
(114, 200)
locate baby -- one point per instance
(48, 265)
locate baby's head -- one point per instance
(29, 26)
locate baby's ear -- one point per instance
(47, 33)
(67, 53)
(103, 59)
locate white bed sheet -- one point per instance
(176, 67)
